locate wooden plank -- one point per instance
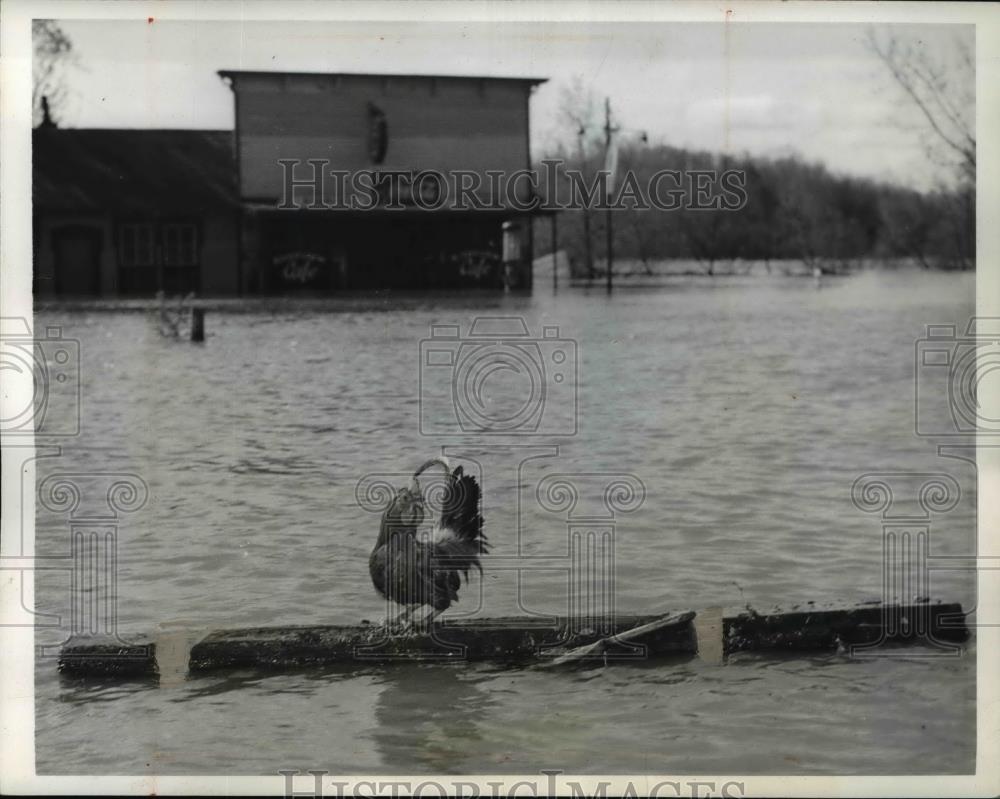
(808, 627)
(511, 640)
(107, 656)
(814, 627)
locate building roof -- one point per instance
(133, 171)
(226, 73)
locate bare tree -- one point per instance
(941, 86)
(579, 112)
(53, 55)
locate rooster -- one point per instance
(416, 566)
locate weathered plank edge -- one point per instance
(823, 629)
(109, 656)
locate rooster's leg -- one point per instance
(399, 620)
(423, 624)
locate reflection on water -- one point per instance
(86, 691)
(428, 716)
(746, 406)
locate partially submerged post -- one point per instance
(197, 324)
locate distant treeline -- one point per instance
(794, 211)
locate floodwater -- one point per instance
(739, 411)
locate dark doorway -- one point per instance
(77, 251)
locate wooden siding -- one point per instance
(433, 123)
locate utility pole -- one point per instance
(608, 131)
(555, 252)
(611, 167)
(588, 256)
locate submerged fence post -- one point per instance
(197, 324)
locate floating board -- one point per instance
(537, 640)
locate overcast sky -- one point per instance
(768, 89)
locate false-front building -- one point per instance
(329, 183)
(382, 181)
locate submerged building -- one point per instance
(131, 212)
(328, 183)
(352, 181)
